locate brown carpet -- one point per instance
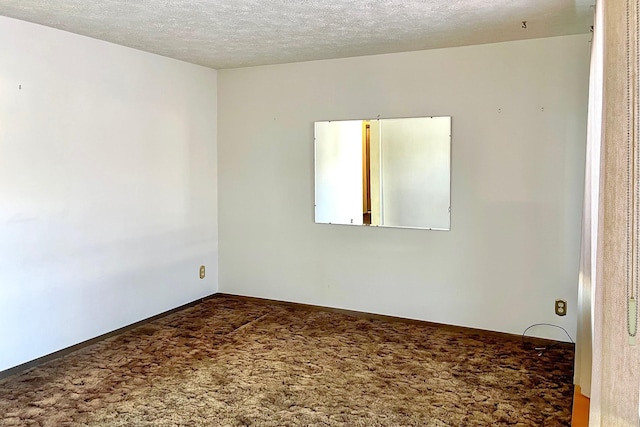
(234, 362)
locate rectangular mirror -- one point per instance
(384, 172)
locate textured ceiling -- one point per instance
(238, 33)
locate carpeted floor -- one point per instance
(235, 362)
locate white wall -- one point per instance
(519, 118)
(108, 198)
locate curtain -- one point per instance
(588, 251)
(615, 375)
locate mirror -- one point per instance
(384, 172)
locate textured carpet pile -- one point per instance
(234, 362)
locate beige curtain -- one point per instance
(588, 256)
(615, 384)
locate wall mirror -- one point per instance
(384, 172)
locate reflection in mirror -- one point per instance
(384, 172)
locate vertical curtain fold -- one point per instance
(588, 251)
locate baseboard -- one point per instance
(535, 341)
(65, 351)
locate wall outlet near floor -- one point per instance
(561, 307)
(202, 272)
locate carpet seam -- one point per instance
(246, 325)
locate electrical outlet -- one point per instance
(202, 272)
(561, 307)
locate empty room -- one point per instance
(323, 213)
